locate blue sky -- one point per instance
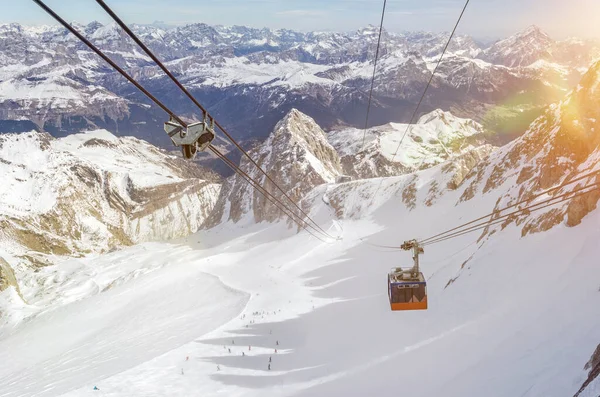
(484, 18)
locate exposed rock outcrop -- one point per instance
(296, 156)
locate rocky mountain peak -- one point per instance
(369, 30)
(532, 30)
(436, 137)
(301, 134)
(92, 27)
(297, 156)
(520, 49)
(299, 127)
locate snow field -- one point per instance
(505, 326)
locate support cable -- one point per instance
(204, 111)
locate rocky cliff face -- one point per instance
(591, 386)
(559, 146)
(297, 156)
(90, 193)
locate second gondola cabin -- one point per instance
(407, 289)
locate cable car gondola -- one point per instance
(407, 289)
(196, 137)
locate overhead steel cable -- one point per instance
(373, 78)
(158, 62)
(410, 123)
(492, 222)
(498, 221)
(151, 97)
(108, 60)
(532, 208)
(528, 209)
(265, 193)
(587, 175)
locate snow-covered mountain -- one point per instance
(522, 49)
(91, 193)
(387, 151)
(296, 156)
(50, 81)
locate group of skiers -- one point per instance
(249, 349)
(187, 358)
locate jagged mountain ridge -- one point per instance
(559, 146)
(239, 72)
(522, 167)
(299, 156)
(296, 156)
(93, 192)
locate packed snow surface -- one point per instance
(202, 316)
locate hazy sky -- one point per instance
(484, 18)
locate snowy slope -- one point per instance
(90, 193)
(326, 306)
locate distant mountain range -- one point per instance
(250, 78)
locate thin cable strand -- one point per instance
(518, 213)
(593, 173)
(373, 78)
(202, 108)
(252, 182)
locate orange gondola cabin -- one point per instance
(407, 289)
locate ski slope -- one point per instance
(519, 319)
